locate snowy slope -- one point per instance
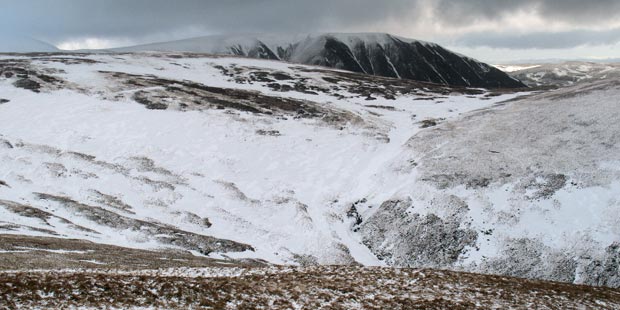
(515, 67)
(236, 157)
(379, 54)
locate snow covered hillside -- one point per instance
(379, 54)
(242, 158)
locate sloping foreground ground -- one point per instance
(53, 273)
(18, 252)
(293, 288)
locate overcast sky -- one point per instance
(491, 30)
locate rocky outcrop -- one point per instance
(605, 271)
(407, 239)
(165, 234)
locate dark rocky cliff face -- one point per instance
(392, 57)
(413, 60)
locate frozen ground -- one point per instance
(234, 158)
(294, 288)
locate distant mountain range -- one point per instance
(371, 53)
(558, 61)
(563, 74)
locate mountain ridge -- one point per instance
(378, 54)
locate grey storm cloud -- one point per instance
(142, 17)
(577, 12)
(540, 40)
(57, 20)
